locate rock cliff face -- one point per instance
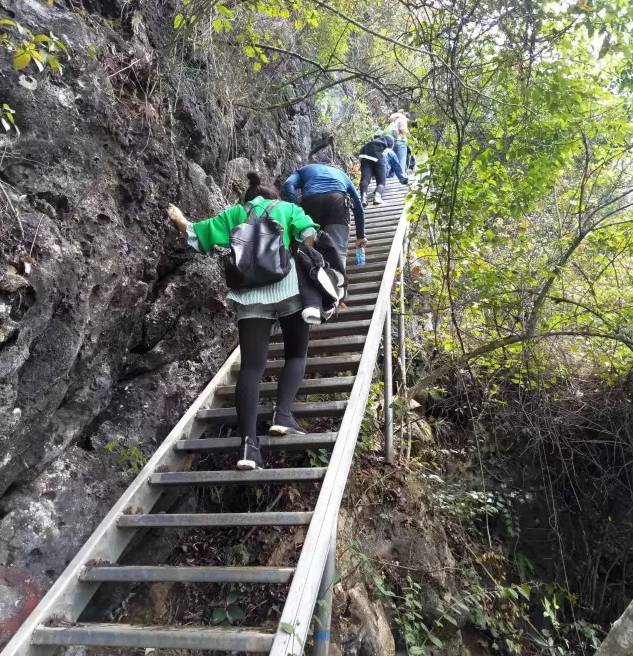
(108, 326)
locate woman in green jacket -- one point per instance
(257, 309)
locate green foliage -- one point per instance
(7, 119)
(127, 454)
(28, 51)
(318, 457)
(27, 48)
(231, 611)
(527, 223)
(477, 508)
(501, 610)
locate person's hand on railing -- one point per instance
(361, 243)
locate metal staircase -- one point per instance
(341, 361)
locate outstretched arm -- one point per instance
(359, 214)
(289, 190)
(204, 235)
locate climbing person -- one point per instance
(398, 128)
(264, 288)
(392, 165)
(373, 165)
(326, 192)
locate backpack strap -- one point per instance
(252, 215)
(250, 211)
(266, 212)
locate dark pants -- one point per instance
(254, 340)
(331, 212)
(369, 169)
(324, 209)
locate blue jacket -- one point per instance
(322, 179)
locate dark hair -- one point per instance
(255, 188)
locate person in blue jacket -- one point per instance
(392, 163)
(326, 193)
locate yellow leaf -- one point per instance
(21, 59)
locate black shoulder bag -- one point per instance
(258, 256)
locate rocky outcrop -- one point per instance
(619, 641)
(109, 327)
(374, 633)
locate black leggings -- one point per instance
(254, 339)
(375, 169)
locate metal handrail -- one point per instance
(292, 631)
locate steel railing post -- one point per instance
(323, 612)
(388, 387)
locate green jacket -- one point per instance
(217, 230)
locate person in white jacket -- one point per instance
(398, 128)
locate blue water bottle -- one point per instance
(360, 255)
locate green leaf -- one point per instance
(235, 613)
(524, 589)
(218, 616)
(249, 51)
(54, 64)
(435, 640)
(257, 67)
(21, 59)
(225, 11)
(179, 20)
(287, 628)
(232, 597)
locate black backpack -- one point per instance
(258, 256)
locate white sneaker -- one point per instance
(311, 316)
(328, 284)
(378, 199)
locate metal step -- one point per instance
(214, 520)
(368, 266)
(334, 385)
(288, 442)
(164, 574)
(196, 478)
(341, 328)
(360, 311)
(374, 243)
(359, 299)
(326, 364)
(394, 206)
(363, 276)
(376, 233)
(371, 254)
(363, 287)
(158, 637)
(319, 409)
(378, 220)
(379, 232)
(340, 345)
